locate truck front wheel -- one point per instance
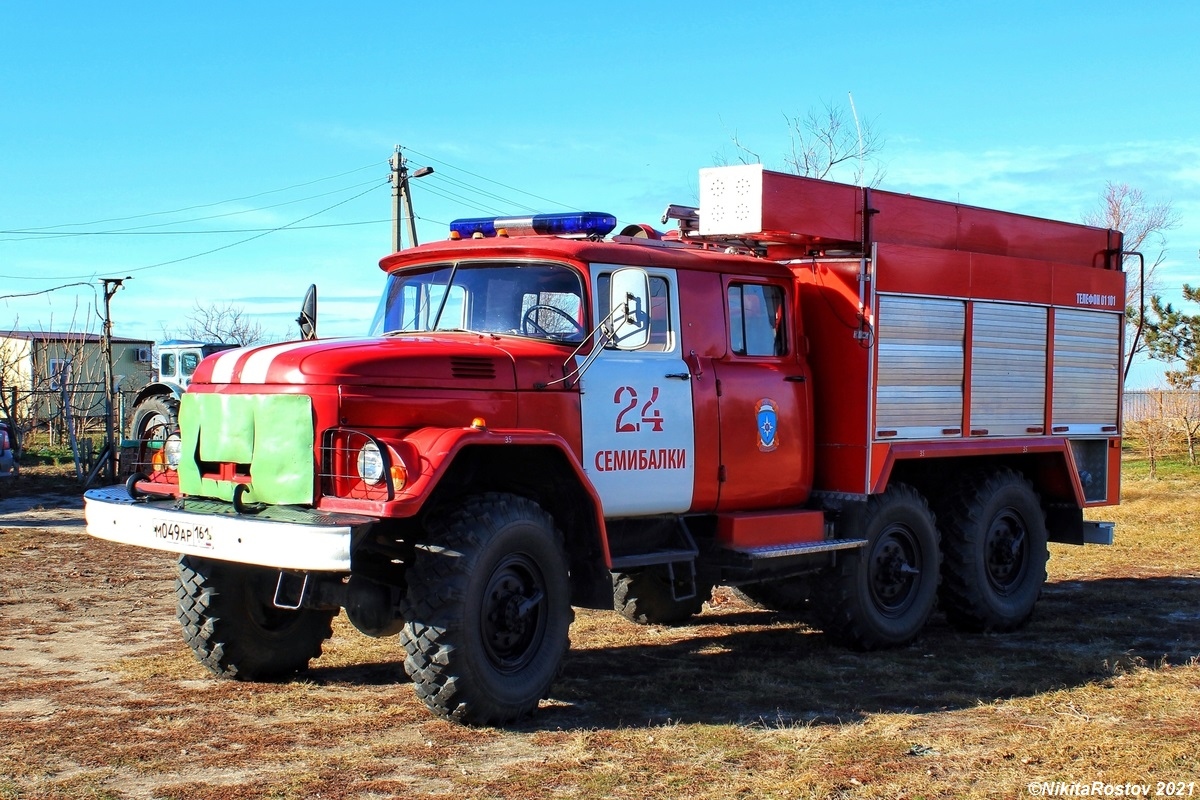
(994, 533)
(231, 623)
(487, 614)
(882, 595)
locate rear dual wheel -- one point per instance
(994, 535)
(882, 594)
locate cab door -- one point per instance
(638, 440)
(763, 398)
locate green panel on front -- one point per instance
(273, 433)
(232, 438)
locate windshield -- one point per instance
(520, 298)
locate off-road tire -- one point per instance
(160, 411)
(487, 613)
(645, 597)
(233, 627)
(882, 594)
(994, 538)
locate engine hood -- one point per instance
(445, 361)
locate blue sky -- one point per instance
(242, 118)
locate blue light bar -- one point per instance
(575, 223)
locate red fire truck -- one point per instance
(842, 401)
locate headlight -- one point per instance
(166, 457)
(370, 463)
(172, 447)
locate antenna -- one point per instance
(858, 128)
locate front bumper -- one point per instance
(282, 537)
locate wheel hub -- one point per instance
(512, 625)
(1005, 548)
(893, 574)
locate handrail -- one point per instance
(1141, 309)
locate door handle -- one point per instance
(795, 378)
(694, 364)
(683, 376)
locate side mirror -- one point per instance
(629, 303)
(308, 314)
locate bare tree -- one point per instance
(1144, 223)
(223, 323)
(1126, 208)
(15, 383)
(51, 379)
(1153, 431)
(824, 143)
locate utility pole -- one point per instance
(111, 285)
(402, 210)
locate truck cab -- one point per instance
(156, 405)
(179, 358)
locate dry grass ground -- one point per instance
(100, 699)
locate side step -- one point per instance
(678, 556)
(654, 557)
(801, 549)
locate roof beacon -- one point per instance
(576, 224)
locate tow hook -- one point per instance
(240, 506)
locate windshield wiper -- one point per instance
(492, 334)
(445, 296)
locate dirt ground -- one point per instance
(101, 699)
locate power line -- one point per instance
(446, 192)
(225, 246)
(461, 199)
(203, 205)
(38, 234)
(55, 231)
(133, 232)
(479, 191)
(553, 203)
(44, 291)
(258, 235)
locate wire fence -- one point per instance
(81, 408)
(1147, 404)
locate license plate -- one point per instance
(184, 534)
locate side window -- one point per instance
(189, 362)
(756, 320)
(166, 365)
(660, 312)
(58, 372)
(660, 316)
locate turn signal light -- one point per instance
(399, 476)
